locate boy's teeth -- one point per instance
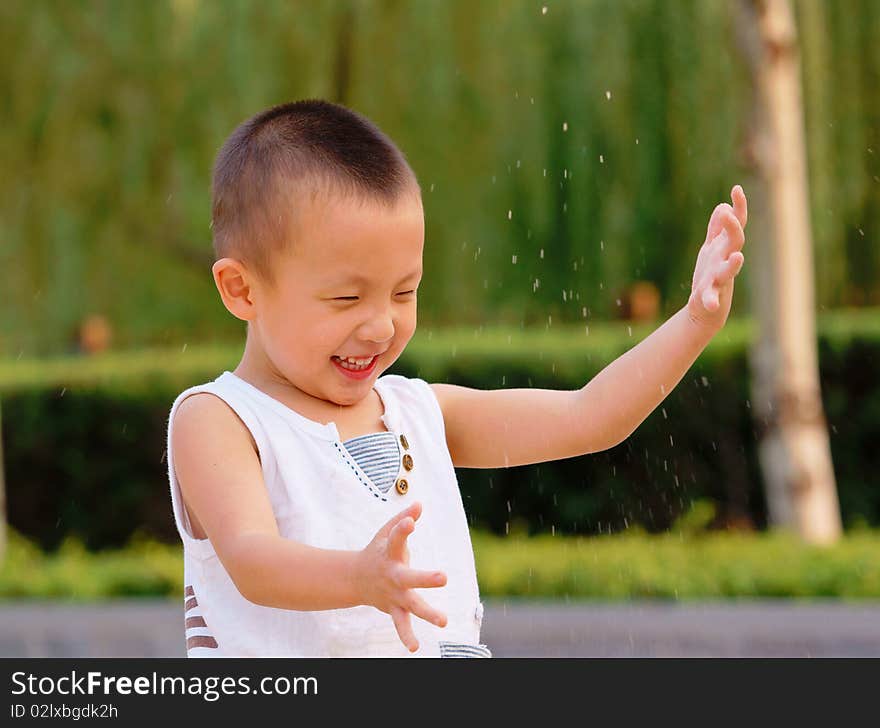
(352, 363)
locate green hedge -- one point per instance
(679, 565)
(84, 439)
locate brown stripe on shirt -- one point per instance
(190, 603)
(195, 622)
(200, 641)
(188, 592)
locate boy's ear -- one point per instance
(233, 281)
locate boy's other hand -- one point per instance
(718, 263)
(387, 582)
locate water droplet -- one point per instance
(601, 245)
(601, 159)
(608, 95)
(544, 10)
(542, 253)
(513, 260)
(564, 126)
(510, 214)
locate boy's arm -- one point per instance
(508, 427)
(222, 482)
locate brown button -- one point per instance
(402, 486)
(408, 461)
(403, 441)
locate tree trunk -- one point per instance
(794, 449)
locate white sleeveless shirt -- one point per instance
(321, 497)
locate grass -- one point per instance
(676, 566)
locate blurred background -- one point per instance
(570, 155)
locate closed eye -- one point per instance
(355, 298)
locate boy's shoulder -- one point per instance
(198, 413)
(413, 392)
(405, 387)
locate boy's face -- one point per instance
(347, 289)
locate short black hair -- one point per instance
(308, 146)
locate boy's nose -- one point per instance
(379, 330)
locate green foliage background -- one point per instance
(589, 144)
(681, 565)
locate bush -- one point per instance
(144, 568)
(680, 565)
(84, 439)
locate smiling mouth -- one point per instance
(355, 366)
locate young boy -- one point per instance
(317, 500)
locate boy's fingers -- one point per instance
(404, 628)
(414, 510)
(736, 238)
(397, 538)
(710, 299)
(414, 579)
(715, 225)
(740, 204)
(730, 267)
(423, 610)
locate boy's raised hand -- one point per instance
(387, 582)
(718, 262)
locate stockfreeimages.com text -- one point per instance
(210, 688)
